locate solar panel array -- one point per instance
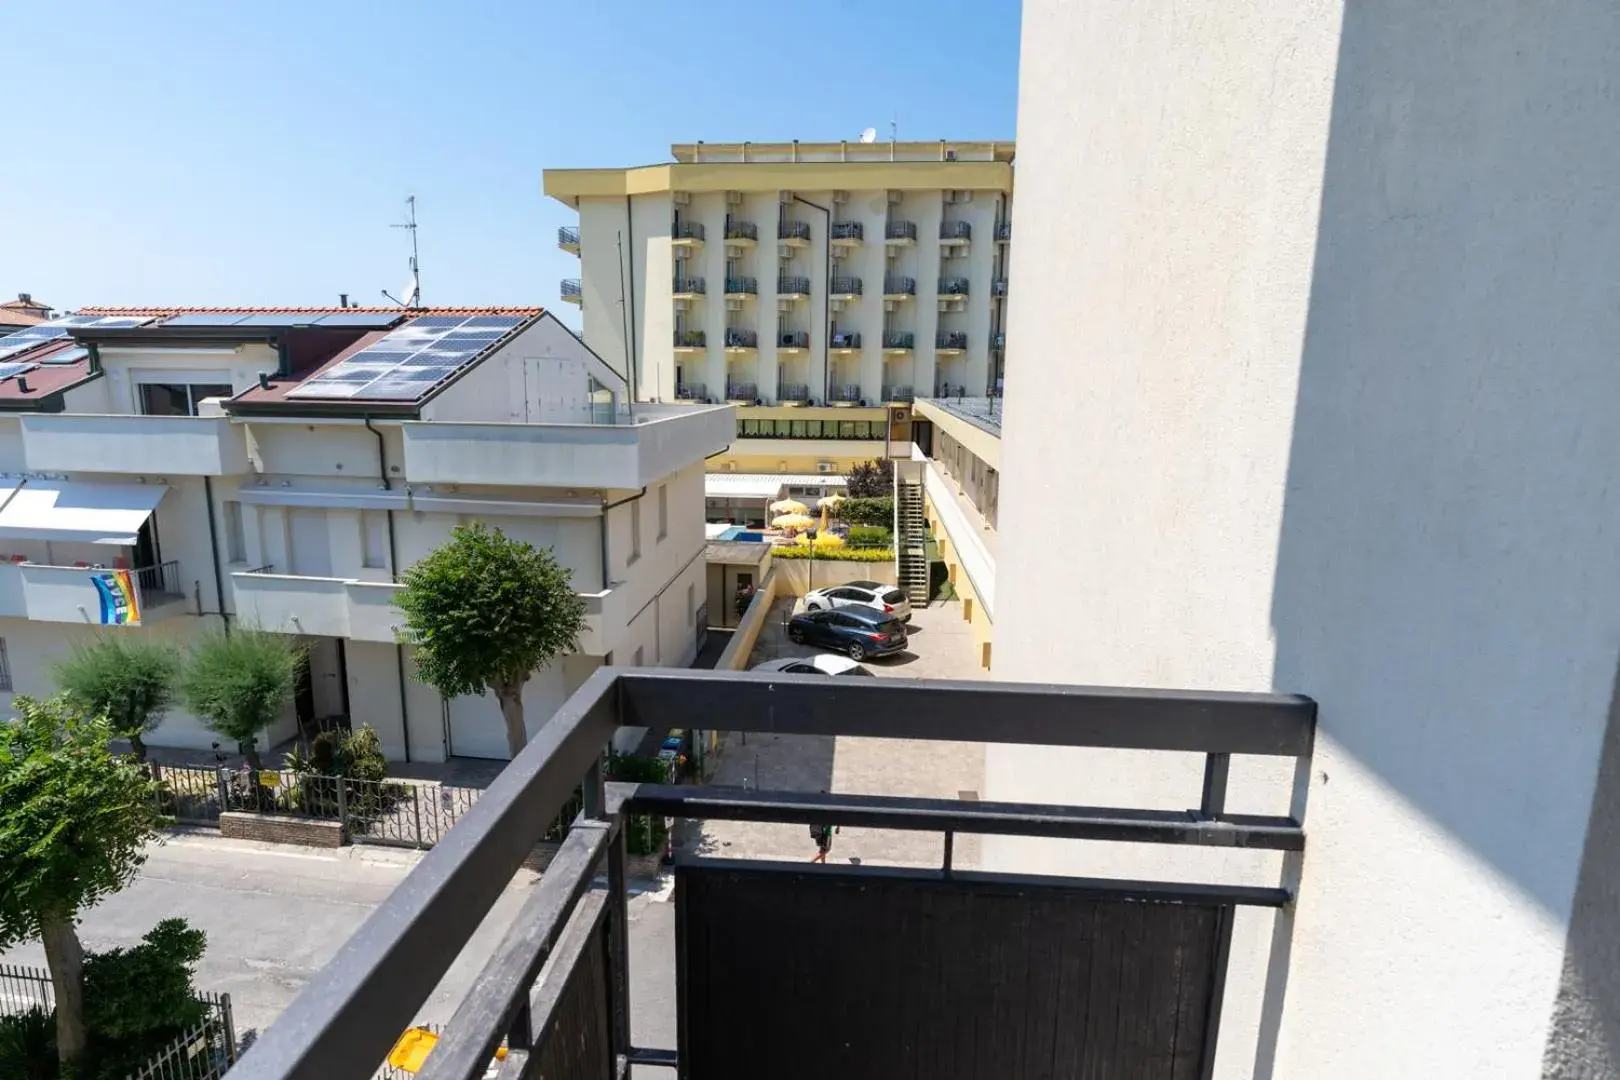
(411, 360)
(345, 320)
(23, 340)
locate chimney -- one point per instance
(22, 385)
(343, 299)
(27, 298)
(264, 380)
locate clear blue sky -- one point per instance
(225, 153)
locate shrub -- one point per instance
(28, 1045)
(643, 834)
(137, 1001)
(879, 511)
(871, 479)
(844, 554)
(355, 757)
(870, 536)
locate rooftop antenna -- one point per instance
(894, 133)
(413, 291)
(869, 135)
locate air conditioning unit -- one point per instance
(786, 197)
(681, 198)
(734, 198)
(826, 467)
(728, 466)
(784, 251)
(682, 304)
(784, 305)
(896, 196)
(891, 305)
(781, 466)
(734, 252)
(837, 305)
(734, 303)
(840, 196)
(944, 304)
(964, 196)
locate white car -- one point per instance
(819, 664)
(869, 594)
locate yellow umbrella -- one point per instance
(829, 502)
(793, 521)
(788, 506)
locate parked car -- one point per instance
(869, 594)
(857, 632)
(819, 664)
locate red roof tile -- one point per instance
(166, 312)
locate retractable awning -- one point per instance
(82, 513)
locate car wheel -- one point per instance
(796, 636)
(856, 652)
(812, 607)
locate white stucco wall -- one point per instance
(1315, 344)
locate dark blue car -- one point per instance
(856, 632)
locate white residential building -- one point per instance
(280, 467)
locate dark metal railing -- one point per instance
(953, 286)
(998, 340)
(793, 230)
(349, 1015)
(690, 339)
(998, 287)
(897, 393)
(900, 230)
(847, 339)
(894, 285)
(793, 392)
(690, 391)
(686, 230)
(899, 339)
(848, 230)
(568, 235)
(792, 285)
(793, 339)
(742, 230)
(267, 568)
(951, 339)
(742, 391)
(737, 285)
(846, 392)
(955, 230)
(572, 287)
(845, 286)
(1004, 231)
(741, 338)
(160, 581)
(687, 285)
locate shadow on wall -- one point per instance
(1449, 564)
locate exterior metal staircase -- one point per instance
(910, 533)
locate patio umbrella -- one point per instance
(793, 521)
(828, 503)
(788, 506)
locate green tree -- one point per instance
(485, 612)
(239, 683)
(871, 479)
(125, 677)
(74, 823)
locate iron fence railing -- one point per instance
(160, 581)
(845, 286)
(690, 339)
(998, 287)
(998, 340)
(741, 338)
(687, 391)
(742, 230)
(848, 230)
(1004, 231)
(953, 286)
(736, 285)
(846, 392)
(895, 285)
(899, 339)
(793, 392)
(686, 230)
(846, 339)
(951, 339)
(900, 230)
(955, 230)
(742, 391)
(793, 339)
(687, 285)
(572, 287)
(23, 988)
(897, 393)
(792, 285)
(568, 236)
(793, 230)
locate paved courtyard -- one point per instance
(941, 648)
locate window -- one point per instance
(178, 399)
(663, 511)
(374, 539)
(812, 429)
(235, 541)
(635, 533)
(846, 429)
(5, 667)
(796, 429)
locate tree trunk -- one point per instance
(511, 699)
(65, 957)
(137, 746)
(250, 750)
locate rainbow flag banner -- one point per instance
(120, 606)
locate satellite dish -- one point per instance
(869, 135)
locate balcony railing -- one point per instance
(742, 391)
(793, 392)
(686, 230)
(998, 340)
(741, 338)
(685, 286)
(952, 339)
(897, 393)
(955, 230)
(742, 230)
(690, 339)
(847, 339)
(953, 286)
(899, 286)
(1004, 231)
(846, 392)
(899, 339)
(557, 989)
(690, 391)
(568, 237)
(848, 230)
(159, 582)
(998, 287)
(742, 286)
(792, 285)
(572, 289)
(793, 230)
(793, 339)
(845, 286)
(900, 230)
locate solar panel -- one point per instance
(215, 320)
(359, 321)
(65, 356)
(29, 338)
(411, 359)
(15, 368)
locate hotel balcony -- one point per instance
(954, 233)
(742, 393)
(691, 391)
(686, 234)
(568, 238)
(847, 234)
(741, 234)
(998, 287)
(844, 394)
(900, 233)
(899, 288)
(952, 287)
(793, 233)
(899, 341)
(1004, 232)
(793, 393)
(93, 595)
(148, 445)
(572, 291)
(847, 341)
(998, 341)
(853, 971)
(740, 340)
(950, 341)
(792, 287)
(792, 340)
(690, 341)
(899, 394)
(686, 288)
(742, 286)
(844, 288)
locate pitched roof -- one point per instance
(166, 312)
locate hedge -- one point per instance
(870, 536)
(879, 511)
(846, 554)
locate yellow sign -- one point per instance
(414, 1046)
(269, 778)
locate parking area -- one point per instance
(940, 647)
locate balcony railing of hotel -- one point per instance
(690, 339)
(572, 287)
(688, 391)
(953, 286)
(845, 286)
(955, 230)
(793, 339)
(737, 286)
(894, 285)
(793, 230)
(897, 393)
(845, 392)
(951, 339)
(998, 340)
(267, 568)
(885, 959)
(687, 285)
(686, 230)
(161, 581)
(742, 391)
(568, 236)
(741, 338)
(793, 392)
(742, 230)
(899, 339)
(792, 285)
(1004, 231)
(998, 287)
(900, 230)
(846, 339)
(848, 230)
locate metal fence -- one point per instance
(23, 988)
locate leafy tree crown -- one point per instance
(871, 479)
(127, 678)
(238, 684)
